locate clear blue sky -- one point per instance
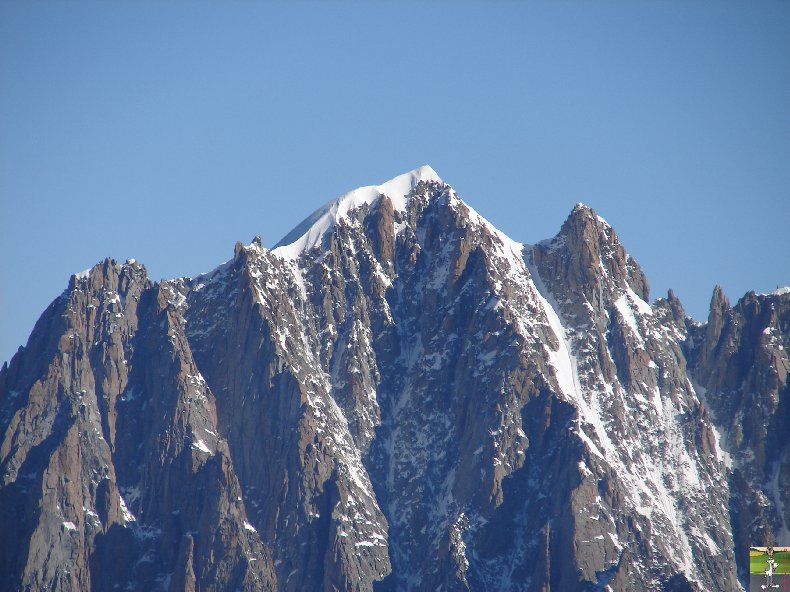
(166, 131)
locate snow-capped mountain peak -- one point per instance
(311, 230)
(423, 403)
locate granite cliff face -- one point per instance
(740, 363)
(396, 397)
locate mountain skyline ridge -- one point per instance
(170, 151)
(429, 171)
(321, 221)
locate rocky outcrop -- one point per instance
(740, 362)
(110, 458)
(396, 397)
(647, 430)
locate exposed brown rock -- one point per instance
(415, 403)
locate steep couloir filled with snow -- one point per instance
(396, 397)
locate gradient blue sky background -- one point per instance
(167, 131)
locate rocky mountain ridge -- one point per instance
(396, 397)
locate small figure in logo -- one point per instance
(771, 565)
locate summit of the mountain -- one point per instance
(311, 230)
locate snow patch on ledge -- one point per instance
(201, 445)
(127, 515)
(311, 231)
(249, 527)
(621, 304)
(642, 306)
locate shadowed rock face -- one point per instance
(740, 362)
(114, 474)
(400, 398)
